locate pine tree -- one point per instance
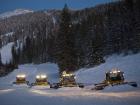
(137, 25)
(65, 53)
(15, 57)
(28, 50)
(0, 60)
(129, 4)
(98, 41)
(0, 43)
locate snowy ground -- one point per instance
(6, 54)
(14, 13)
(117, 95)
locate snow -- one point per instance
(7, 34)
(41, 95)
(14, 13)
(128, 64)
(6, 54)
(54, 20)
(31, 70)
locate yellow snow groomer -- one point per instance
(113, 78)
(41, 79)
(21, 79)
(67, 80)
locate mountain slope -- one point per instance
(14, 13)
(98, 31)
(6, 54)
(128, 64)
(122, 95)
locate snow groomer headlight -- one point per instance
(21, 76)
(115, 71)
(37, 76)
(41, 76)
(65, 74)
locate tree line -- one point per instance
(78, 38)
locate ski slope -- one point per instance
(6, 54)
(130, 65)
(14, 13)
(116, 95)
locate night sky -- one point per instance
(8, 5)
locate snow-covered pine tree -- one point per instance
(137, 25)
(15, 57)
(28, 50)
(0, 60)
(65, 53)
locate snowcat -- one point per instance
(21, 79)
(66, 80)
(41, 80)
(112, 78)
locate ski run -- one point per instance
(44, 95)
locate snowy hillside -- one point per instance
(14, 13)
(117, 95)
(31, 70)
(128, 64)
(7, 34)
(6, 54)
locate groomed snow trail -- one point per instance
(116, 95)
(6, 55)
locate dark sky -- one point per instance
(8, 5)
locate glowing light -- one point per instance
(18, 76)
(64, 74)
(67, 75)
(114, 71)
(21, 76)
(7, 90)
(43, 76)
(37, 76)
